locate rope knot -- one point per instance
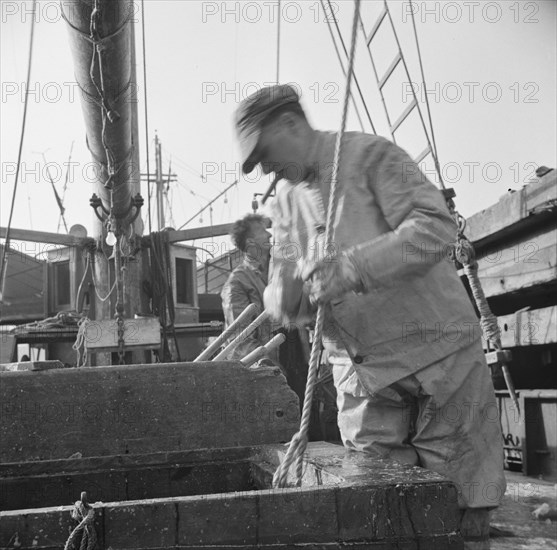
(464, 252)
(84, 536)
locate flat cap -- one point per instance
(252, 113)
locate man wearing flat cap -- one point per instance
(399, 329)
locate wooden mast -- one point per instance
(102, 43)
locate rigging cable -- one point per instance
(435, 157)
(278, 40)
(146, 122)
(368, 48)
(407, 71)
(29, 207)
(3, 268)
(341, 64)
(208, 205)
(106, 111)
(66, 179)
(183, 164)
(346, 53)
(299, 441)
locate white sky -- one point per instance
(490, 67)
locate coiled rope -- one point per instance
(299, 442)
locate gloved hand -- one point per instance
(331, 278)
(283, 295)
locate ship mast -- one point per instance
(103, 47)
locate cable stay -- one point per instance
(356, 110)
(209, 204)
(3, 265)
(59, 201)
(356, 82)
(66, 179)
(382, 80)
(278, 42)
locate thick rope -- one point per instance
(465, 254)
(299, 442)
(84, 536)
(80, 344)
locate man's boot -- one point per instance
(474, 528)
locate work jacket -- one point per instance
(412, 309)
(245, 286)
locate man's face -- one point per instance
(259, 241)
(280, 149)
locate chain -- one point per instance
(464, 250)
(121, 342)
(119, 299)
(119, 272)
(108, 114)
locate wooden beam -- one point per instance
(497, 357)
(223, 499)
(144, 333)
(32, 366)
(519, 265)
(534, 203)
(45, 237)
(199, 232)
(527, 328)
(139, 409)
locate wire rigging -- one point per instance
(146, 118)
(183, 164)
(64, 189)
(279, 17)
(299, 441)
(208, 205)
(346, 54)
(407, 71)
(3, 268)
(106, 112)
(435, 155)
(341, 64)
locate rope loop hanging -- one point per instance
(299, 442)
(80, 344)
(107, 112)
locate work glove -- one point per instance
(331, 278)
(284, 294)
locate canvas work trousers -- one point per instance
(443, 418)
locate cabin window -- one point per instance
(184, 281)
(62, 281)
